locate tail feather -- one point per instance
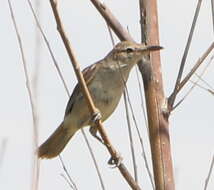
(54, 145)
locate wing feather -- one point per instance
(88, 74)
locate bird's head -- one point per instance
(129, 52)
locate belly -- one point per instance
(105, 100)
(106, 95)
(107, 103)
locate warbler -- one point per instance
(106, 81)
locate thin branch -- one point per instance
(111, 35)
(67, 173)
(49, 47)
(142, 100)
(196, 66)
(212, 6)
(115, 25)
(35, 166)
(138, 132)
(141, 140)
(147, 127)
(122, 34)
(211, 91)
(67, 91)
(209, 174)
(68, 182)
(131, 138)
(183, 61)
(37, 54)
(88, 98)
(162, 162)
(125, 94)
(35, 83)
(137, 129)
(194, 84)
(203, 88)
(205, 82)
(94, 160)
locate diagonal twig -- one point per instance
(205, 82)
(196, 66)
(68, 93)
(194, 83)
(69, 180)
(202, 87)
(172, 97)
(209, 174)
(122, 34)
(88, 98)
(211, 91)
(118, 29)
(160, 143)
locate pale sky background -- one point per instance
(191, 125)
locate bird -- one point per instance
(105, 80)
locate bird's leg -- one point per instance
(93, 130)
(96, 116)
(116, 161)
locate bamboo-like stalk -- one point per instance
(156, 101)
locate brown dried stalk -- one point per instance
(68, 93)
(155, 99)
(89, 100)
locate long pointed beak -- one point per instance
(152, 48)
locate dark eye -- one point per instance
(129, 50)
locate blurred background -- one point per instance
(191, 124)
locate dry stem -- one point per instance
(89, 100)
(35, 166)
(67, 91)
(183, 61)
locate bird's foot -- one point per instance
(93, 131)
(96, 116)
(115, 161)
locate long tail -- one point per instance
(54, 145)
